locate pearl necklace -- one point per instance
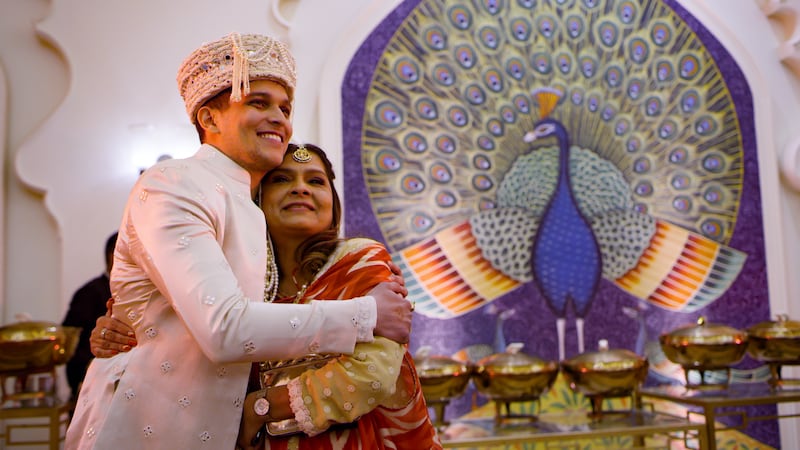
(271, 275)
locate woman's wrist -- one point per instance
(279, 408)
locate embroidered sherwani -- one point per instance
(188, 276)
(375, 390)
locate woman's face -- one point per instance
(297, 199)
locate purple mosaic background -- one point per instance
(744, 304)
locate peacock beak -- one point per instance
(529, 137)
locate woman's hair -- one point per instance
(314, 252)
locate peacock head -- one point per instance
(544, 128)
(547, 98)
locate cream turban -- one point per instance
(232, 62)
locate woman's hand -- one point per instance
(250, 424)
(110, 336)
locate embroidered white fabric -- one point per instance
(366, 319)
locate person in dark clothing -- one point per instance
(88, 303)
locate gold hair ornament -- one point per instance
(301, 155)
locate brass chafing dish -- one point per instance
(513, 376)
(704, 347)
(442, 379)
(605, 373)
(776, 343)
(30, 347)
(36, 345)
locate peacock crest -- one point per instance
(554, 142)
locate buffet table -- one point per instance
(629, 429)
(54, 411)
(735, 397)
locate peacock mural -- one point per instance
(588, 165)
(569, 159)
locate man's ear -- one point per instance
(206, 119)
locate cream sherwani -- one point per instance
(188, 275)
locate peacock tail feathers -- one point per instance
(681, 270)
(655, 148)
(447, 275)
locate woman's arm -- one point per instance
(343, 390)
(350, 385)
(346, 388)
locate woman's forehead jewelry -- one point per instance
(301, 155)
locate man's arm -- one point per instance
(110, 336)
(178, 231)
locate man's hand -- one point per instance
(110, 336)
(394, 311)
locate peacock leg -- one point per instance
(561, 325)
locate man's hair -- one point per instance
(111, 243)
(220, 102)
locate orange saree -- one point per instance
(398, 422)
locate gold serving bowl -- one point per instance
(36, 346)
(704, 347)
(514, 376)
(605, 373)
(776, 343)
(442, 379)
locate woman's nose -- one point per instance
(300, 188)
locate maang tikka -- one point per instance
(301, 155)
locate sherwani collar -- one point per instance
(220, 160)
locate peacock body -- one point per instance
(555, 142)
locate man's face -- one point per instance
(256, 131)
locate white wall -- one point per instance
(3, 127)
(36, 81)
